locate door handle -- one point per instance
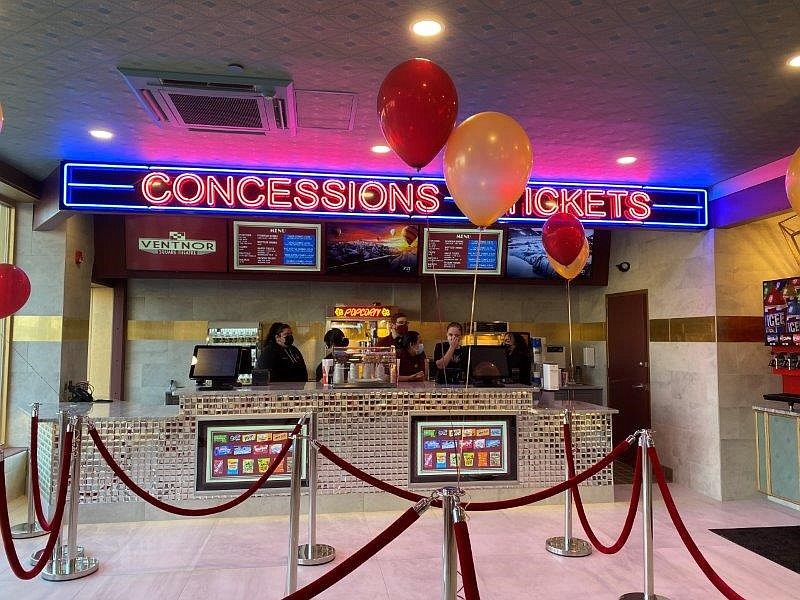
(640, 386)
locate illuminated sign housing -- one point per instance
(253, 192)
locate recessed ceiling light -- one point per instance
(381, 149)
(427, 28)
(794, 61)
(626, 160)
(101, 134)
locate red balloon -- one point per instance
(417, 108)
(15, 288)
(563, 237)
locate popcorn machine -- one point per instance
(361, 324)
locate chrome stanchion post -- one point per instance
(30, 528)
(568, 545)
(645, 442)
(69, 563)
(294, 517)
(450, 500)
(313, 553)
(60, 549)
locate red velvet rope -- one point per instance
(34, 466)
(52, 540)
(358, 558)
(632, 507)
(366, 477)
(709, 572)
(468, 576)
(618, 451)
(191, 512)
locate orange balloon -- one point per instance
(487, 162)
(573, 269)
(793, 181)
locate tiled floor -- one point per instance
(245, 558)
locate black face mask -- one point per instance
(288, 340)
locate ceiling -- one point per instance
(698, 90)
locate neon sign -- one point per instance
(253, 192)
(363, 312)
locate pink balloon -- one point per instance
(15, 288)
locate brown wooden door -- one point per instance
(628, 362)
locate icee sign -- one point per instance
(252, 192)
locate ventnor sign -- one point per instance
(176, 243)
(254, 192)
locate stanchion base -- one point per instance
(79, 551)
(66, 570)
(27, 530)
(318, 554)
(576, 546)
(641, 596)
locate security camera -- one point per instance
(624, 266)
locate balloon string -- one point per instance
(570, 377)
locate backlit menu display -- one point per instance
(232, 454)
(469, 448)
(453, 251)
(261, 246)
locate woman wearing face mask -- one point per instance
(279, 355)
(413, 362)
(519, 358)
(335, 341)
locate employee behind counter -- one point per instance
(279, 355)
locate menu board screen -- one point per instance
(526, 257)
(261, 246)
(453, 251)
(465, 447)
(233, 453)
(782, 312)
(371, 249)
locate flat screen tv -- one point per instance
(527, 259)
(379, 249)
(217, 364)
(488, 365)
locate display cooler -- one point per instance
(244, 335)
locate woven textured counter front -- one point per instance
(368, 428)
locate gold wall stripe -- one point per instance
(693, 329)
(75, 330)
(659, 330)
(167, 330)
(37, 328)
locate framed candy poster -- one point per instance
(466, 447)
(232, 453)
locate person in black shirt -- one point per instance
(397, 329)
(334, 338)
(279, 355)
(450, 358)
(519, 358)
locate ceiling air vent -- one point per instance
(222, 103)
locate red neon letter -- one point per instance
(274, 192)
(241, 192)
(569, 202)
(398, 196)
(177, 189)
(638, 206)
(372, 201)
(335, 198)
(594, 204)
(154, 182)
(214, 187)
(615, 206)
(545, 207)
(427, 198)
(306, 198)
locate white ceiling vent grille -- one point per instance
(321, 109)
(221, 103)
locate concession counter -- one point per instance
(404, 436)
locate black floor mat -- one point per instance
(779, 544)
